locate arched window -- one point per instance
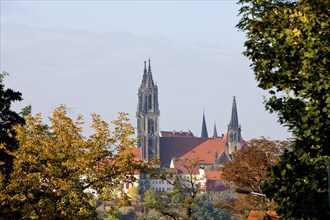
(149, 102)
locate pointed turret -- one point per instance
(234, 118)
(145, 69)
(149, 79)
(234, 130)
(215, 133)
(149, 66)
(144, 78)
(204, 133)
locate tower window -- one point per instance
(149, 102)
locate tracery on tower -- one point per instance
(148, 116)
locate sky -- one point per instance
(89, 56)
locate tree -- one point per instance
(181, 202)
(248, 170)
(8, 141)
(288, 44)
(8, 119)
(133, 193)
(207, 210)
(169, 205)
(56, 166)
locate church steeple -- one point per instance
(204, 133)
(215, 133)
(234, 130)
(234, 118)
(148, 116)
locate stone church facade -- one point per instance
(169, 145)
(148, 117)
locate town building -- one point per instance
(171, 147)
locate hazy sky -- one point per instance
(89, 56)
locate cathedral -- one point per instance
(173, 145)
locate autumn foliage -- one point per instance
(55, 166)
(249, 169)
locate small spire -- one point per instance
(144, 79)
(204, 133)
(234, 118)
(145, 67)
(149, 66)
(215, 133)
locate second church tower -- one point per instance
(148, 116)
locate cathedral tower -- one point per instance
(148, 116)
(234, 130)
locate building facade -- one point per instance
(169, 146)
(148, 116)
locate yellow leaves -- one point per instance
(296, 32)
(56, 163)
(133, 194)
(30, 196)
(296, 14)
(304, 19)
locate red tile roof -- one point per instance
(176, 147)
(186, 166)
(207, 151)
(213, 175)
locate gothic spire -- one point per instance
(145, 68)
(149, 80)
(144, 79)
(234, 118)
(149, 66)
(204, 133)
(234, 131)
(215, 133)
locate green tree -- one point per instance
(159, 203)
(56, 166)
(171, 206)
(8, 119)
(207, 210)
(288, 44)
(181, 202)
(8, 141)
